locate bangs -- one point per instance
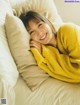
(34, 19)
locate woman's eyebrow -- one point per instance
(28, 29)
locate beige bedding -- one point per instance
(51, 92)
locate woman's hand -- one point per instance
(36, 44)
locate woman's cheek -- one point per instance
(35, 38)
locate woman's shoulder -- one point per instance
(68, 26)
(67, 36)
(69, 29)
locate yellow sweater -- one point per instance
(62, 63)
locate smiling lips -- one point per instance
(43, 37)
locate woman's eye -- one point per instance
(31, 32)
(40, 25)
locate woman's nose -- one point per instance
(40, 33)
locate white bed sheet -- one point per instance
(51, 92)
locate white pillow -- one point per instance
(8, 69)
(7, 66)
(45, 7)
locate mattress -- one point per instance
(51, 92)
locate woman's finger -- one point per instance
(34, 42)
(37, 44)
(34, 45)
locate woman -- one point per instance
(58, 53)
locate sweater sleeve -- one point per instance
(57, 65)
(41, 60)
(61, 66)
(68, 40)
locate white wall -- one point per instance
(69, 12)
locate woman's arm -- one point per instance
(57, 65)
(68, 40)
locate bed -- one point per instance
(27, 84)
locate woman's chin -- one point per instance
(46, 42)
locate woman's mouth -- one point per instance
(43, 37)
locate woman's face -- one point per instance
(40, 32)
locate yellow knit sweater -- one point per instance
(62, 63)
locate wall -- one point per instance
(69, 11)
